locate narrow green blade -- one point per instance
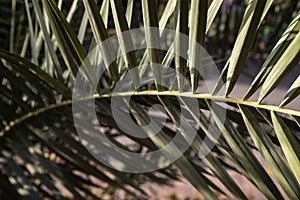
(289, 144)
(274, 160)
(292, 93)
(153, 38)
(286, 63)
(277, 52)
(197, 33)
(253, 16)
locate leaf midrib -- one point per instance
(253, 104)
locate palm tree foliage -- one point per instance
(40, 152)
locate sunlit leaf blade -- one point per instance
(167, 13)
(288, 60)
(152, 38)
(68, 42)
(222, 79)
(83, 27)
(197, 34)
(25, 45)
(125, 40)
(212, 12)
(181, 47)
(198, 21)
(292, 93)
(72, 10)
(297, 120)
(129, 12)
(253, 16)
(290, 145)
(101, 35)
(47, 39)
(274, 160)
(104, 12)
(284, 42)
(31, 32)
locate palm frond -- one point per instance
(41, 154)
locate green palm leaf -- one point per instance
(41, 155)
